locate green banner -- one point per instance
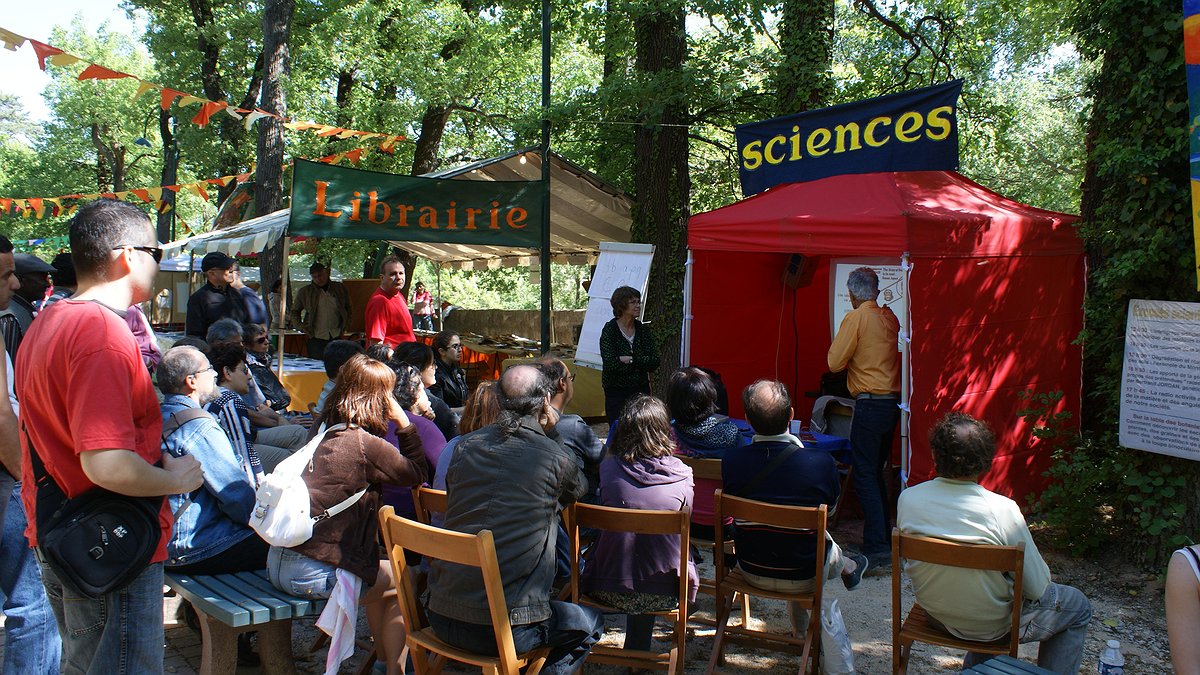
(333, 201)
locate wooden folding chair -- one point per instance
(479, 551)
(610, 519)
(710, 469)
(426, 502)
(916, 626)
(731, 581)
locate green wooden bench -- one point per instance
(1006, 665)
(231, 604)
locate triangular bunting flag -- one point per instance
(63, 59)
(95, 72)
(11, 40)
(206, 112)
(198, 188)
(232, 111)
(188, 99)
(253, 116)
(36, 204)
(154, 193)
(169, 96)
(355, 155)
(143, 87)
(5, 204)
(43, 51)
(57, 206)
(327, 130)
(143, 195)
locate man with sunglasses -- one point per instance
(217, 298)
(89, 411)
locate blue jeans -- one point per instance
(1059, 621)
(871, 431)
(119, 633)
(31, 642)
(299, 575)
(570, 633)
(424, 322)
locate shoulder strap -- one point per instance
(766, 471)
(179, 418)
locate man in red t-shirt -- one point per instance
(89, 410)
(387, 316)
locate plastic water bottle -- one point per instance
(1111, 661)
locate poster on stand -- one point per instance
(1160, 378)
(891, 290)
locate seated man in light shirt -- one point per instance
(976, 604)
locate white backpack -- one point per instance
(281, 503)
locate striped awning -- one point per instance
(584, 211)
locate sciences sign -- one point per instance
(333, 201)
(910, 131)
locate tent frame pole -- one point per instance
(905, 373)
(545, 247)
(285, 293)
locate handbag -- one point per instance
(282, 514)
(99, 541)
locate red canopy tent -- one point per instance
(994, 287)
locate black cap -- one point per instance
(216, 261)
(31, 264)
(64, 270)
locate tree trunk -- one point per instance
(170, 175)
(268, 185)
(802, 77)
(661, 175)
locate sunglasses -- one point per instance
(154, 251)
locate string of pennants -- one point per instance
(49, 54)
(65, 205)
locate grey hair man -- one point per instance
(977, 604)
(512, 478)
(90, 412)
(866, 346)
(574, 433)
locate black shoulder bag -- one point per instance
(99, 541)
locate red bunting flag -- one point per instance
(95, 72)
(206, 111)
(43, 52)
(143, 195)
(355, 155)
(169, 96)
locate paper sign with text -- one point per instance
(1160, 378)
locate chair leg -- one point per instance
(745, 607)
(724, 609)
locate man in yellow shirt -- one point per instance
(866, 345)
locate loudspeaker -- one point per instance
(799, 271)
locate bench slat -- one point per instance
(259, 613)
(209, 601)
(300, 606)
(280, 609)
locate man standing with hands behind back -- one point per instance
(387, 317)
(866, 345)
(321, 310)
(90, 412)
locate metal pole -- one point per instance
(545, 253)
(284, 293)
(437, 310)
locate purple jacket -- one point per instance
(646, 563)
(432, 441)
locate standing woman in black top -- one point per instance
(627, 351)
(450, 383)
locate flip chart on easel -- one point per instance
(619, 265)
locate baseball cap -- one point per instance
(216, 261)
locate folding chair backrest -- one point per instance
(773, 515)
(427, 501)
(705, 468)
(477, 550)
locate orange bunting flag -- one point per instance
(107, 195)
(329, 131)
(38, 207)
(43, 51)
(198, 188)
(143, 195)
(206, 112)
(5, 204)
(355, 155)
(169, 96)
(95, 72)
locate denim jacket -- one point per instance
(220, 512)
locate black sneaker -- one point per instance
(852, 580)
(881, 565)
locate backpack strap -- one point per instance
(179, 418)
(342, 506)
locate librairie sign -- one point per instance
(910, 131)
(334, 201)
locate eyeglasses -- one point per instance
(154, 251)
(459, 347)
(572, 377)
(263, 341)
(209, 369)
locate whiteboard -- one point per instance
(619, 265)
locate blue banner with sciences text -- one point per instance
(913, 130)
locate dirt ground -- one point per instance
(1127, 605)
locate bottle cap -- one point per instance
(1114, 644)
